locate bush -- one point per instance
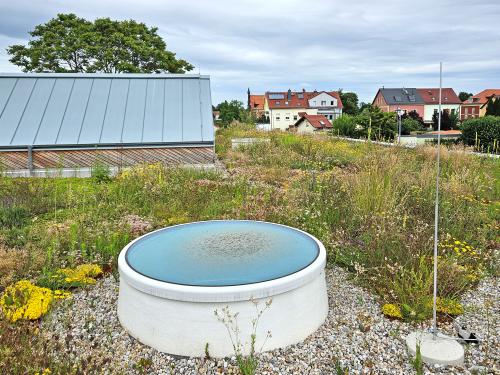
(409, 125)
(101, 173)
(483, 133)
(345, 125)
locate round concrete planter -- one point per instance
(180, 319)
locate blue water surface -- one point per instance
(222, 253)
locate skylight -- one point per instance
(276, 96)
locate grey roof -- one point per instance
(59, 109)
(401, 96)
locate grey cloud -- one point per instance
(274, 45)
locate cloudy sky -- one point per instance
(315, 44)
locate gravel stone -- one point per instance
(355, 336)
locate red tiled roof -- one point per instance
(295, 101)
(431, 96)
(257, 101)
(482, 97)
(318, 121)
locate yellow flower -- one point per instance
(392, 311)
(23, 300)
(82, 274)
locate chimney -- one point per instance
(289, 95)
(303, 90)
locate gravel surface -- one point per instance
(355, 336)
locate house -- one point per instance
(312, 123)
(475, 106)
(71, 122)
(449, 102)
(256, 104)
(407, 99)
(283, 108)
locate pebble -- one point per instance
(355, 337)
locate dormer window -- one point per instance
(286, 103)
(277, 103)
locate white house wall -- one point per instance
(283, 118)
(329, 101)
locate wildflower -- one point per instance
(23, 300)
(392, 311)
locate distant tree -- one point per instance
(349, 102)
(231, 111)
(409, 125)
(464, 95)
(345, 125)
(68, 43)
(493, 107)
(363, 106)
(448, 121)
(414, 116)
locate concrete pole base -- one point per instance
(443, 350)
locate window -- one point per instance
(287, 117)
(314, 102)
(300, 96)
(453, 111)
(473, 110)
(330, 116)
(435, 111)
(277, 117)
(331, 103)
(286, 103)
(277, 103)
(323, 102)
(295, 117)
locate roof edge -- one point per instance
(103, 75)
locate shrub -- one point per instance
(345, 125)
(483, 133)
(100, 173)
(409, 125)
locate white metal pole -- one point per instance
(436, 209)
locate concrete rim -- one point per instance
(222, 293)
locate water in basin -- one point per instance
(222, 253)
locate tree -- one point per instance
(414, 116)
(409, 125)
(231, 111)
(448, 121)
(349, 102)
(68, 43)
(493, 107)
(463, 96)
(345, 125)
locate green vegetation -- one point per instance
(372, 207)
(68, 43)
(371, 123)
(233, 111)
(483, 133)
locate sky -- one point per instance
(272, 45)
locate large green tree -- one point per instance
(68, 43)
(349, 102)
(231, 111)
